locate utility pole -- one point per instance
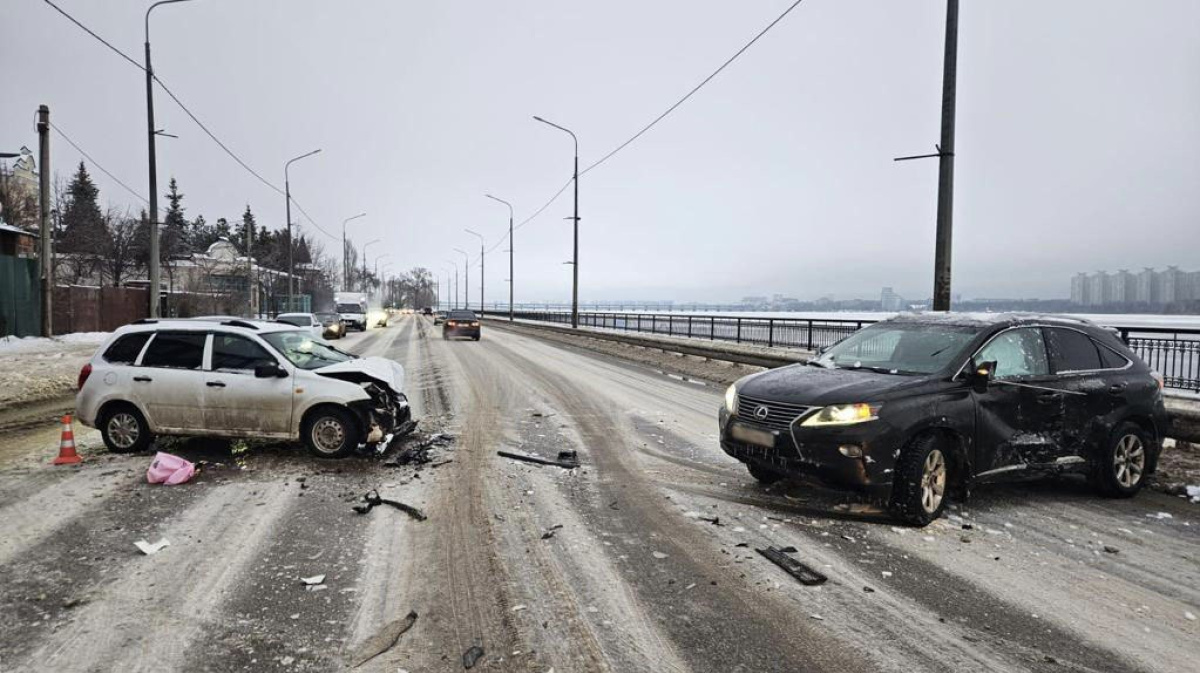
(47, 256)
(945, 207)
(511, 245)
(250, 284)
(575, 219)
(346, 253)
(287, 196)
(482, 275)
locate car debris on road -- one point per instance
(566, 459)
(148, 548)
(805, 574)
(472, 656)
(169, 470)
(372, 499)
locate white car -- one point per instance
(306, 320)
(238, 378)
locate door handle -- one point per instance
(142, 379)
(1049, 398)
(1116, 389)
(215, 384)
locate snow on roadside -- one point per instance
(33, 369)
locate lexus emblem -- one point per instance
(761, 412)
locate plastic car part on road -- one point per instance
(169, 469)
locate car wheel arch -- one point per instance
(321, 406)
(956, 447)
(111, 407)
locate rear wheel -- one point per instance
(919, 489)
(330, 432)
(764, 474)
(124, 429)
(1120, 468)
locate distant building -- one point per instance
(890, 301)
(1146, 287)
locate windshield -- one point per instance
(349, 308)
(899, 348)
(328, 317)
(304, 351)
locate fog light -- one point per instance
(850, 451)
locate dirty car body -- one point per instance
(239, 378)
(993, 396)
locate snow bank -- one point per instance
(11, 345)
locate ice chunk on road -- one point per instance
(148, 549)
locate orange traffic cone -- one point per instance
(66, 447)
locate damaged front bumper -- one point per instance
(386, 414)
(855, 457)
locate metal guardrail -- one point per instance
(1175, 353)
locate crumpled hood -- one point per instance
(815, 386)
(383, 370)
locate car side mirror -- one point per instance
(979, 374)
(269, 370)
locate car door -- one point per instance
(169, 380)
(236, 401)
(1018, 418)
(1094, 390)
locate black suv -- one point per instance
(911, 407)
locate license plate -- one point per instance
(753, 436)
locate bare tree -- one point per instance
(121, 246)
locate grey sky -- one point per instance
(1078, 134)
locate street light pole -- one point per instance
(287, 195)
(511, 245)
(481, 268)
(364, 251)
(945, 209)
(151, 132)
(455, 265)
(575, 259)
(346, 253)
(466, 277)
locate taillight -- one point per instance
(84, 374)
(451, 323)
(1158, 378)
(474, 324)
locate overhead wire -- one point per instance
(190, 115)
(97, 164)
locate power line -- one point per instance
(189, 113)
(699, 86)
(97, 163)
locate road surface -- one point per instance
(615, 566)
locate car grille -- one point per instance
(779, 414)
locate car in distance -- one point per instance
(308, 321)
(427, 311)
(461, 323)
(238, 378)
(919, 406)
(333, 326)
(352, 306)
(439, 317)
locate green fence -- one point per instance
(20, 302)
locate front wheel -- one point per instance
(125, 430)
(1120, 468)
(919, 489)
(330, 432)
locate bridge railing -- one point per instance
(1175, 353)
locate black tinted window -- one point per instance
(1109, 359)
(124, 351)
(179, 350)
(232, 352)
(1072, 351)
(297, 320)
(1016, 352)
(461, 315)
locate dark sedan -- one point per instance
(916, 407)
(461, 323)
(333, 325)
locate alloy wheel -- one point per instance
(123, 429)
(933, 481)
(1129, 460)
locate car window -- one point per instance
(1072, 351)
(237, 353)
(1110, 359)
(1016, 352)
(297, 320)
(461, 315)
(177, 350)
(900, 348)
(304, 351)
(125, 350)
(349, 308)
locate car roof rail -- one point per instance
(240, 323)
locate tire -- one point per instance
(765, 475)
(921, 481)
(124, 429)
(330, 432)
(476, 337)
(1122, 463)
(445, 337)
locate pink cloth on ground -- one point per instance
(169, 469)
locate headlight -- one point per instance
(843, 414)
(731, 400)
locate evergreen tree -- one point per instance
(82, 222)
(174, 234)
(249, 226)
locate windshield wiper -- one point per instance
(881, 370)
